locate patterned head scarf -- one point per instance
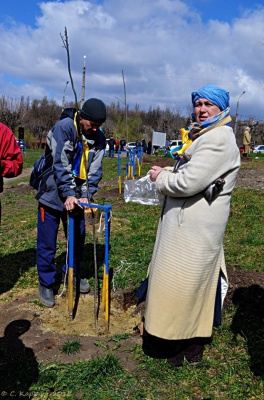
(215, 94)
(218, 97)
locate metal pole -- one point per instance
(106, 280)
(83, 82)
(106, 268)
(119, 171)
(235, 128)
(70, 262)
(125, 104)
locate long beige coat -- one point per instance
(188, 254)
(247, 140)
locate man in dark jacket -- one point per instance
(111, 144)
(66, 187)
(122, 143)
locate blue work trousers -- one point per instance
(48, 226)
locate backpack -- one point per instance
(43, 166)
(41, 171)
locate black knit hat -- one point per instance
(94, 110)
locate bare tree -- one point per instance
(12, 111)
(41, 116)
(65, 42)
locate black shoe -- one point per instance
(84, 286)
(176, 361)
(192, 353)
(46, 296)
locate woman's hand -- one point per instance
(154, 172)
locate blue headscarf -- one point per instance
(215, 94)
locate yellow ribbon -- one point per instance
(85, 150)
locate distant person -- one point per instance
(246, 142)
(111, 144)
(117, 144)
(11, 159)
(66, 187)
(144, 145)
(167, 147)
(187, 278)
(122, 143)
(149, 148)
(138, 143)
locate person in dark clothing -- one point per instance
(122, 143)
(111, 143)
(144, 145)
(149, 147)
(66, 187)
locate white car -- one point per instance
(259, 149)
(175, 143)
(130, 145)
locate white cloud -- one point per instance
(163, 47)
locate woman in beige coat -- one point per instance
(246, 142)
(188, 262)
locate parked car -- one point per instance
(174, 143)
(258, 149)
(130, 146)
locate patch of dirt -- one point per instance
(48, 329)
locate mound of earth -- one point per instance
(48, 329)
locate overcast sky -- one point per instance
(166, 48)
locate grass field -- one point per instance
(233, 365)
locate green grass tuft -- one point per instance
(71, 347)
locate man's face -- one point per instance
(88, 127)
(204, 109)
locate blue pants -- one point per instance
(48, 226)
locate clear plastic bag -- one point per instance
(142, 191)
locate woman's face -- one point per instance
(204, 109)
